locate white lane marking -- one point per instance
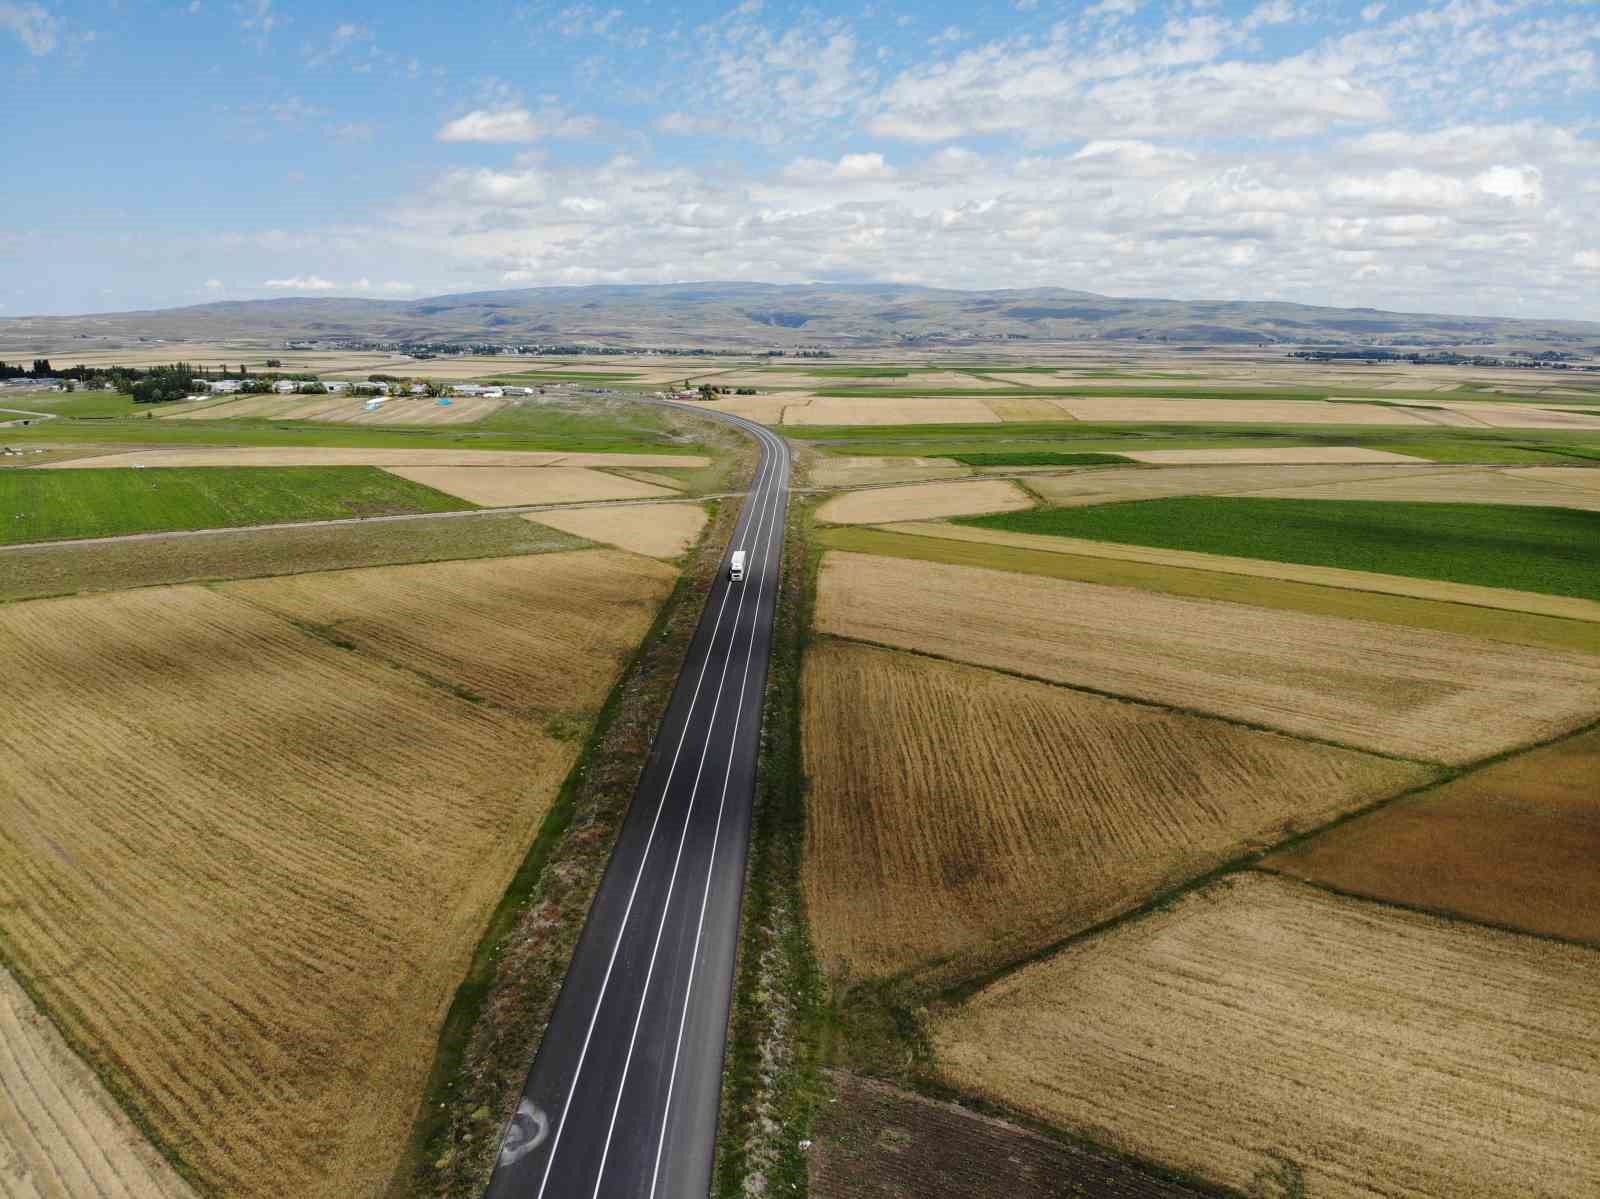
(769, 523)
(594, 1018)
(605, 982)
(705, 897)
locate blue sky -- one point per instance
(1441, 155)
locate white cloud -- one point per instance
(1523, 186)
(345, 36)
(1372, 12)
(213, 284)
(301, 283)
(1589, 260)
(257, 17)
(517, 124)
(32, 24)
(1113, 8)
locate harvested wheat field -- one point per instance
(1277, 1039)
(1515, 845)
(1138, 410)
(62, 1135)
(1586, 478)
(924, 501)
(503, 486)
(245, 866)
(957, 410)
(1288, 455)
(1411, 692)
(1026, 410)
(859, 471)
(943, 855)
(659, 530)
(544, 633)
(764, 409)
(1453, 487)
(878, 1142)
(347, 408)
(314, 456)
(1115, 484)
(1526, 416)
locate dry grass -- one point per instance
(1025, 410)
(924, 501)
(1586, 478)
(1455, 487)
(313, 456)
(1137, 410)
(1514, 845)
(975, 817)
(1115, 484)
(245, 867)
(1287, 1042)
(1403, 691)
(956, 410)
(1526, 416)
(766, 409)
(1561, 606)
(503, 486)
(62, 1135)
(659, 530)
(856, 472)
(462, 622)
(1307, 454)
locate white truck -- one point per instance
(736, 566)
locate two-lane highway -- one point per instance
(623, 1097)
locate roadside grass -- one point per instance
(1040, 458)
(1554, 551)
(1519, 628)
(43, 505)
(35, 572)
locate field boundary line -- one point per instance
(1123, 697)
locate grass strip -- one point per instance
(1039, 458)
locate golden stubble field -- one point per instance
(1410, 692)
(659, 530)
(505, 486)
(976, 817)
(925, 501)
(244, 862)
(1284, 1041)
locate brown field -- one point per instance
(1561, 606)
(1516, 845)
(448, 620)
(977, 817)
(878, 1142)
(1136, 410)
(1308, 454)
(503, 486)
(854, 472)
(924, 501)
(955, 410)
(245, 866)
(767, 409)
(62, 1135)
(1115, 484)
(1404, 691)
(406, 410)
(1277, 1039)
(654, 478)
(313, 456)
(659, 530)
(1526, 416)
(1025, 409)
(1454, 487)
(1587, 478)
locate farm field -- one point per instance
(1561, 606)
(940, 855)
(44, 505)
(1550, 550)
(268, 994)
(401, 410)
(448, 620)
(1287, 455)
(1513, 845)
(369, 456)
(62, 1135)
(1404, 604)
(659, 530)
(502, 486)
(32, 572)
(1558, 487)
(956, 410)
(924, 501)
(1264, 1035)
(1080, 489)
(854, 472)
(1408, 692)
(878, 1142)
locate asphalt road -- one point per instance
(623, 1096)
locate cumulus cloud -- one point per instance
(517, 124)
(301, 283)
(32, 24)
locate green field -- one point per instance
(1038, 458)
(1555, 551)
(43, 505)
(79, 405)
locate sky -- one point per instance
(1429, 156)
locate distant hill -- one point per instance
(759, 316)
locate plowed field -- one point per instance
(976, 817)
(1517, 844)
(1397, 690)
(1287, 1042)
